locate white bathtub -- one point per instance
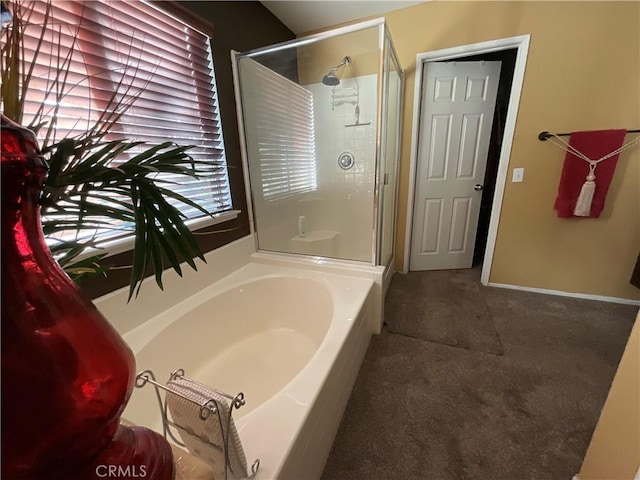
(292, 340)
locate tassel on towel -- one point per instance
(577, 197)
(583, 204)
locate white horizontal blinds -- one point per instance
(280, 131)
(178, 100)
(168, 66)
(57, 50)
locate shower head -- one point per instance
(331, 79)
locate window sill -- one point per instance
(124, 244)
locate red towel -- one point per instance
(595, 145)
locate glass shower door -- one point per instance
(309, 121)
(389, 151)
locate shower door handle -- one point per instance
(385, 179)
(477, 187)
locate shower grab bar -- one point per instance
(210, 407)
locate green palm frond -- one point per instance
(93, 188)
(93, 182)
(67, 253)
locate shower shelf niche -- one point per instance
(317, 242)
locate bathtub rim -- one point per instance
(159, 322)
(343, 327)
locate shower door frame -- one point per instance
(383, 110)
(377, 206)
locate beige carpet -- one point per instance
(422, 409)
(445, 306)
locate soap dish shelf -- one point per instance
(208, 408)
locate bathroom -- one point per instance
(555, 267)
(321, 146)
(350, 218)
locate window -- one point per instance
(280, 131)
(168, 66)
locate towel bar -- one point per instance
(543, 136)
(207, 409)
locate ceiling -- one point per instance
(303, 16)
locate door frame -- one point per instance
(521, 43)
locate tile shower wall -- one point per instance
(342, 205)
(344, 200)
(333, 137)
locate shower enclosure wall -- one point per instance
(321, 122)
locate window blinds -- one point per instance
(164, 62)
(279, 129)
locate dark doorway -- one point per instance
(508, 59)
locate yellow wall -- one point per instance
(582, 73)
(614, 451)
(315, 59)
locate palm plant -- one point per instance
(93, 180)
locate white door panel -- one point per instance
(458, 101)
(432, 216)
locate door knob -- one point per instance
(478, 187)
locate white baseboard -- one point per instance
(560, 293)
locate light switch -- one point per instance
(518, 175)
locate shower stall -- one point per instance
(320, 120)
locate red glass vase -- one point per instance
(66, 373)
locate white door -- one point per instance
(456, 115)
